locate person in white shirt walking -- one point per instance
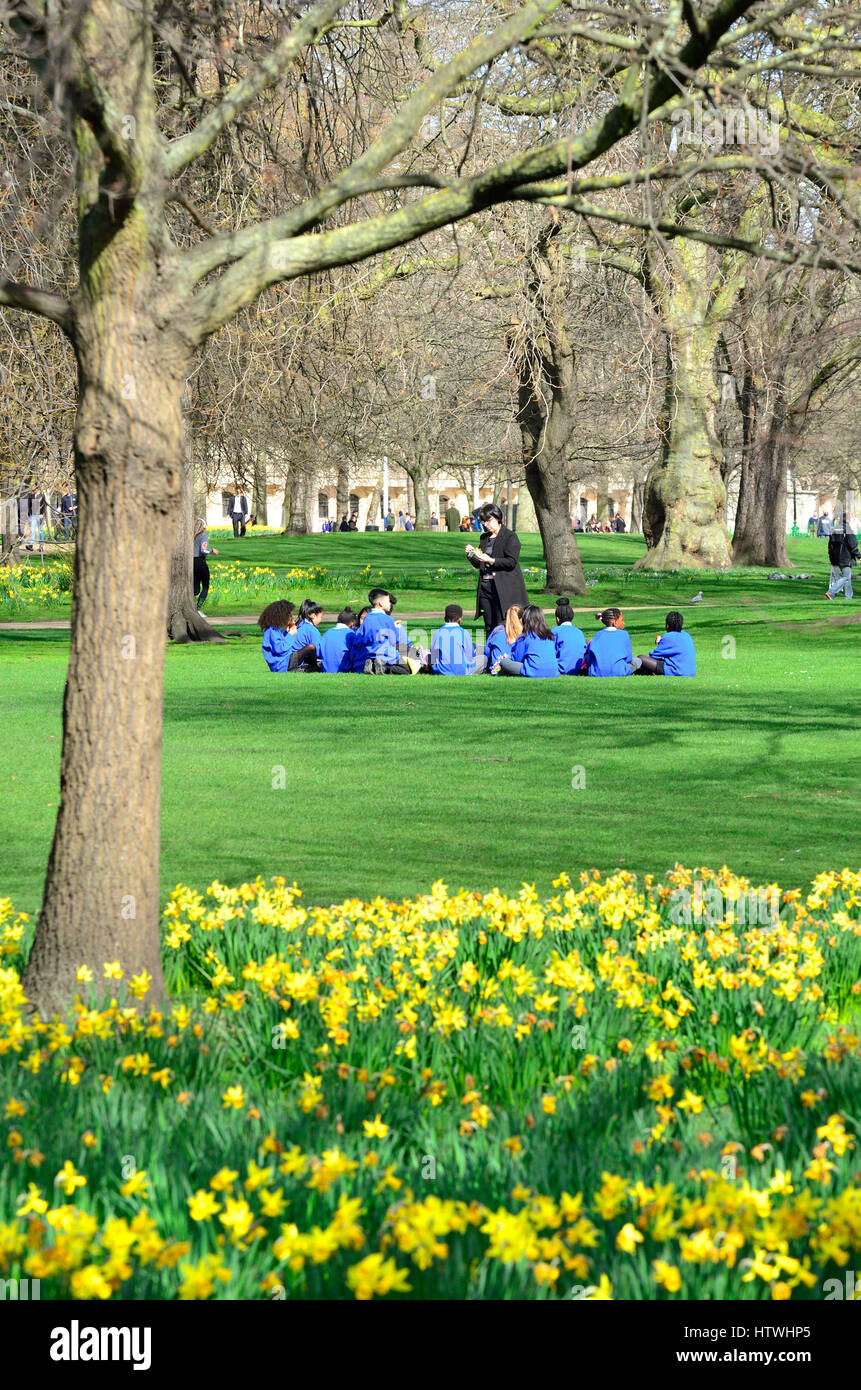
(238, 512)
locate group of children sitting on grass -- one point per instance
(373, 642)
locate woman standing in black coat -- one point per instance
(500, 584)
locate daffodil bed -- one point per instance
(463, 1096)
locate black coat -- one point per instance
(842, 548)
(505, 569)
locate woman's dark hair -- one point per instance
(533, 622)
(346, 616)
(609, 615)
(278, 614)
(308, 609)
(489, 510)
(363, 611)
(564, 611)
(675, 622)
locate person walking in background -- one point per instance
(434, 522)
(390, 520)
(354, 522)
(409, 524)
(609, 652)
(345, 525)
(673, 655)
(69, 513)
(500, 582)
(238, 512)
(37, 517)
(452, 518)
(842, 555)
(812, 523)
(199, 562)
(825, 527)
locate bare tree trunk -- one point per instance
(602, 504)
(373, 513)
(259, 495)
(101, 898)
(184, 622)
(299, 485)
(759, 536)
(684, 505)
(343, 493)
(418, 477)
(545, 405)
(637, 492)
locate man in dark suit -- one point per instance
(500, 584)
(238, 510)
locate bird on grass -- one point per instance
(697, 598)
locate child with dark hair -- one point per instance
(569, 641)
(609, 652)
(534, 652)
(387, 650)
(673, 655)
(452, 652)
(336, 643)
(309, 618)
(278, 622)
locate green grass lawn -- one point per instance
(391, 784)
(410, 563)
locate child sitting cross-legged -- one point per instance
(452, 652)
(569, 641)
(534, 652)
(673, 654)
(337, 643)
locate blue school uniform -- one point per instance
(452, 652)
(497, 646)
(307, 633)
(570, 645)
(358, 651)
(676, 650)
(609, 653)
(336, 643)
(277, 648)
(380, 637)
(538, 655)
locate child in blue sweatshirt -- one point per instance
(278, 622)
(388, 651)
(569, 641)
(336, 644)
(534, 651)
(609, 652)
(496, 647)
(309, 618)
(673, 655)
(452, 652)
